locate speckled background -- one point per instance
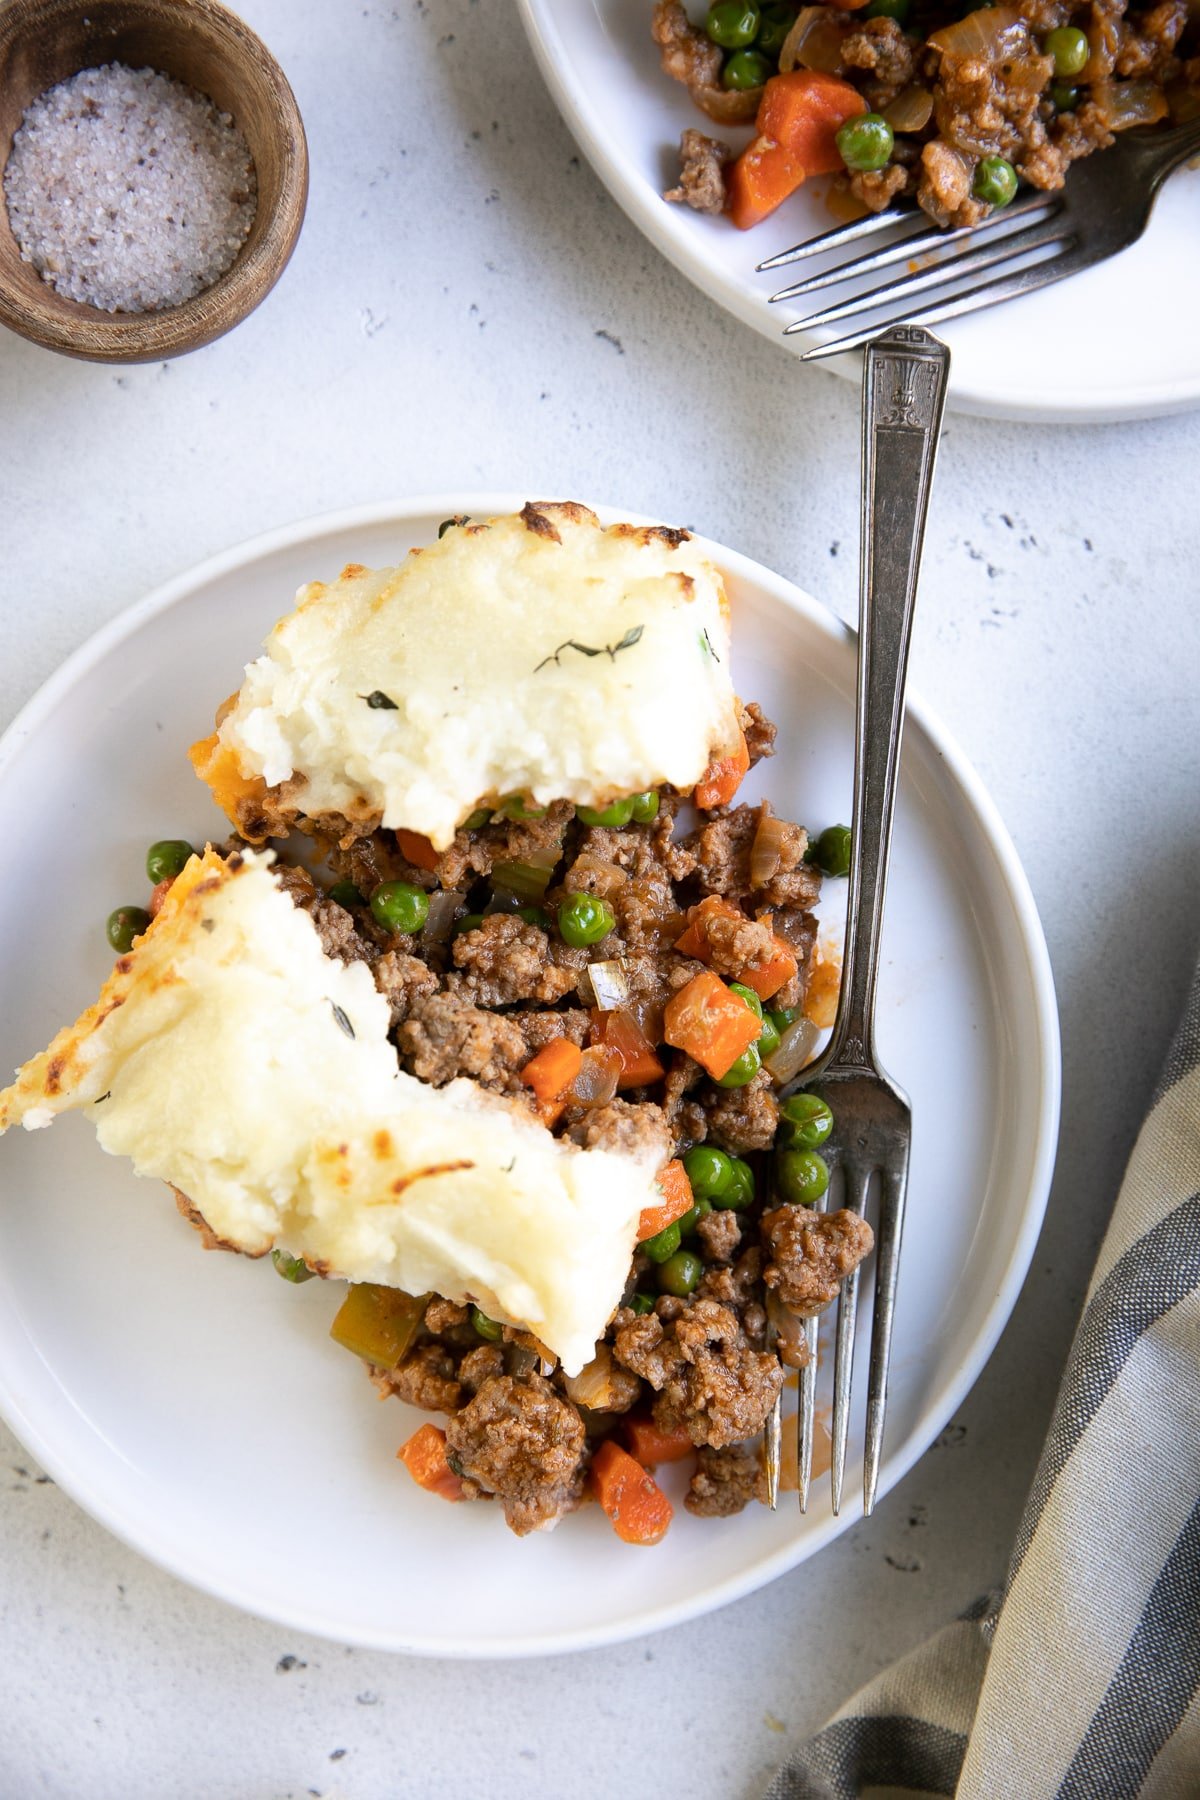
(467, 307)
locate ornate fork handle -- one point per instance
(905, 393)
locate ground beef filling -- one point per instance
(982, 89)
(479, 1003)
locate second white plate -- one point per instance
(1099, 346)
(194, 1403)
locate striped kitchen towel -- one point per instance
(1080, 1679)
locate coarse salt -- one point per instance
(128, 190)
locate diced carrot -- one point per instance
(723, 777)
(677, 1198)
(622, 1033)
(798, 121)
(637, 1508)
(417, 849)
(650, 1446)
(714, 1026)
(424, 1456)
(159, 895)
(551, 1072)
(767, 978)
(694, 941)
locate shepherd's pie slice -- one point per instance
(538, 655)
(230, 1056)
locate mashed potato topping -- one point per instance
(538, 654)
(228, 1055)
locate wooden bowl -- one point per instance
(43, 42)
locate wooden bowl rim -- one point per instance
(95, 336)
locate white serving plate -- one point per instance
(1099, 346)
(194, 1404)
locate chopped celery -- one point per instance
(378, 1323)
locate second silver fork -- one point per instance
(904, 392)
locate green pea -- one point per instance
(740, 1192)
(709, 1170)
(865, 142)
(292, 1268)
(127, 923)
(888, 9)
(487, 1328)
(744, 1069)
(768, 1039)
(516, 807)
(534, 915)
(583, 919)
(345, 894)
(644, 806)
(468, 922)
(745, 69)
(805, 1122)
(641, 1304)
(681, 1273)
(748, 995)
(664, 1244)
(1069, 48)
(801, 1176)
(773, 27)
(1064, 96)
(688, 1221)
(399, 906)
(616, 815)
(783, 1016)
(831, 852)
(477, 820)
(732, 24)
(995, 181)
(165, 860)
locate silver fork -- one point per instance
(1104, 207)
(904, 392)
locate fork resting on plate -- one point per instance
(1042, 237)
(904, 392)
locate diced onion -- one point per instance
(443, 906)
(596, 1082)
(1124, 104)
(610, 985)
(594, 1386)
(606, 877)
(911, 110)
(790, 1340)
(795, 1050)
(766, 852)
(987, 33)
(814, 42)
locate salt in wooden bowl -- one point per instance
(199, 43)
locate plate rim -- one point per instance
(1028, 405)
(933, 1414)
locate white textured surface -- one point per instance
(467, 307)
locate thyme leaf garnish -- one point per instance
(379, 701)
(458, 519)
(102, 1098)
(632, 636)
(342, 1020)
(707, 644)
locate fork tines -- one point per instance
(1031, 228)
(857, 1177)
